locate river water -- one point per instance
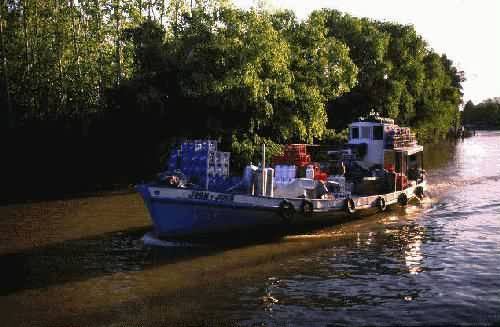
(92, 262)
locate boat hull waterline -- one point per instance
(180, 212)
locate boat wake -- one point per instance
(320, 234)
(444, 186)
(150, 239)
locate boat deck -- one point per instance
(209, 198)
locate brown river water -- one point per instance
(92, 261)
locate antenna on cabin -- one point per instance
(372, 115)
(263, 171)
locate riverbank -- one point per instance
(54, 159)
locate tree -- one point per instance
(5, 87)
(483, 115)
(322, 72)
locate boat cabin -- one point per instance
(373, 134)
(389, 146)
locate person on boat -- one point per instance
(390, 177)
(321, 190)
(339, 169)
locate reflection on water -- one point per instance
(93, 262)
(413, 255)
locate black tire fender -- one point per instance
(306, 208)
(403, 199)
(286, 210)
(419, 192)
(350, 206)
(382, 206)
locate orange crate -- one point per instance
(295, 148)
(279, 160)
(303, 161)
(321, 176)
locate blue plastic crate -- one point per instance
(187, 147)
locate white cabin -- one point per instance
(374, 135)
(387, 144)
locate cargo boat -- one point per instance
(382, 165)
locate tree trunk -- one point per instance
(76, 49)
(176, 11)
(162, 12)
(59, 39)
(10, 113)
(117, 42)
(100, 60)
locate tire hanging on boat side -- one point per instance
(419, 192)
(349, 206)
(403, 199)
(306, 207)
(286, 211)
(381, 204)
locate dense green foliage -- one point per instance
(399, 76)
(256, 73)
(172, 69)
(483, 115)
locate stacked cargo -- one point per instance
(296, 162)
(400, 137)
(173, 161)
(221, 163)
(313, 171)
(285, 173)
(218, 170)
(294, 154)
(200, 160)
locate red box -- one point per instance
(295, 148)
(321, 176)
(401, 181)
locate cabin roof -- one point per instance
(409, 150)
(368, 123)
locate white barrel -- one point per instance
(291, 173)
(310, 172)
(269, 172)
(260, 188)
(248, 172)
(278, 173)
(249, 178)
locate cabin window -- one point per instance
(399, 161)
(355, 133)
(378, 133)
(412, 161)
(365, 132)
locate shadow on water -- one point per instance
(84, 258)
(128, 251)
